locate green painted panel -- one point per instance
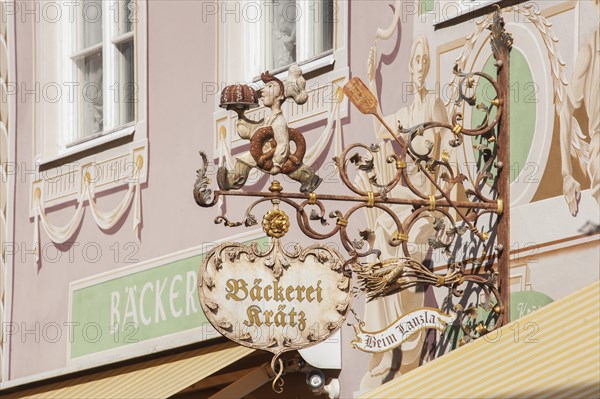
(148, 304)
(521, 304)
(524, 302)
(523, 104)
(426, 6)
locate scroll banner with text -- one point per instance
(401, 330)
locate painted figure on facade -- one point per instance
(379, 314)
(270, 138)
(582, 92)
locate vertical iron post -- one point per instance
(501, 42)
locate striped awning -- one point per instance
(553, 352)
(157, 378)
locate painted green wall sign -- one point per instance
(521, 304)
(138, 304)
(523, 107)
(524, 302)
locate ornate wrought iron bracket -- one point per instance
(469, 217)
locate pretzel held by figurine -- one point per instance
(264, 160)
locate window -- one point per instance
(275, 34)
(296, 31)
(91, 105)
(254, 36)
(102, 64)
(91, 76)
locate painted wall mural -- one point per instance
(582, 93)
(555, 146)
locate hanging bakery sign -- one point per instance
(281, 300)
(274, 300)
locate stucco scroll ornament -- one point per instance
(574, 143)
(269, 299)
(270, 138)
(577, 141)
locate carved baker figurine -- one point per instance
(270, 149)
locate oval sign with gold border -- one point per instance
(275, 300)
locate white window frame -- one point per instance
(114, 150)
(108, 48)
(66, 133)
(328, 68)
(257, 41)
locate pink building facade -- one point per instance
(106, 104)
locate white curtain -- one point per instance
(283, 31)
(92, 110)
(89, 34)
